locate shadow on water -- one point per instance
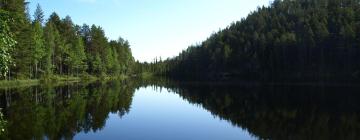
(267, 112)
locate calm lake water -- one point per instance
(159, 110)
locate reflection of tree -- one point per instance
(267, 112)
(277, 112)
(292, 112)
(2, 125)
(61, 112)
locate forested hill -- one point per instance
(289, 40)
(34, 47)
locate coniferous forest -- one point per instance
(301, 40)
(289, 40)
(33, 46)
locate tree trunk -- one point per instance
(9, 74)
(36, 70)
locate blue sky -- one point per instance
(154, 28)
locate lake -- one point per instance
(160, 109)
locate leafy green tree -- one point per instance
(59, 51)
(21, 28)
(7, 43)
(60, 44)
(77, 57)
(49, 35)
(97, 64)
(38, 47)
(109, 60)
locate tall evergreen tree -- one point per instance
(39, 15)
(21, 27)
(49, 34)
(77, 57)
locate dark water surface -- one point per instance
(159, 110)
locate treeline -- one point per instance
(33, 48)
(307, 40)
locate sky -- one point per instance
(154, 28)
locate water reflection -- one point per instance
(61, 112)
(267, 112)
(283, 112)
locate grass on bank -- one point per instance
(146, 75)
(57, 79)
(43, 80)
(18, 83)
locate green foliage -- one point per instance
(39, 14)
(6, 84)
(87, 77)
(38, 46)
(53, 79)
(21, 28)
(7, 43)
(289, 40)
(97, 50)
(76, 57)
(38, 50)
(49, 34)
(58, 48)
(104, 57)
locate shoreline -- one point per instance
(54, 80)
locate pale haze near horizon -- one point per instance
(154, 28)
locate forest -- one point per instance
(33, 47)
(290, 40)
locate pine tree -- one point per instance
(60, 47)
(39, 15)
(77, 57)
